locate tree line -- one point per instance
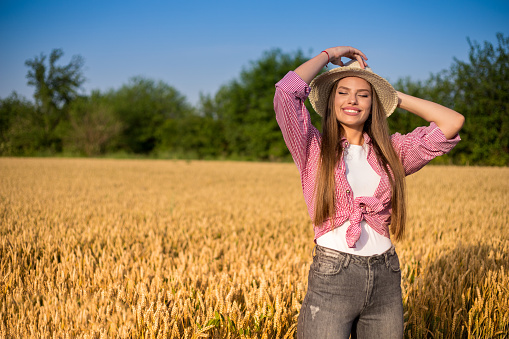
(149, 118)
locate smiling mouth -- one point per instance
(351, 111)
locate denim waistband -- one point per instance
(359, 259)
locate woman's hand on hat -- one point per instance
(308, 70)
(336, 53)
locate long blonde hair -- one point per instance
(331, 150)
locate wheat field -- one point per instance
(99, 248)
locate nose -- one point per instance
(352, 98)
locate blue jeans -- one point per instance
(351, 294)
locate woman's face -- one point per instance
(352, 102)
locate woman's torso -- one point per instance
(363, 181)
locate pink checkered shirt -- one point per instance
(414, 149)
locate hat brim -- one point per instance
(323, 84)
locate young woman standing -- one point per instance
(353, 182)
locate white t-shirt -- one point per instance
(364, 181)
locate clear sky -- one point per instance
(197, 46)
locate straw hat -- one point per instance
(322, 85)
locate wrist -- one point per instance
(326, 53)
(399, 94)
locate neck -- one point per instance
(354, 135)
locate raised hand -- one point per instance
(336, 53)
(308, 70)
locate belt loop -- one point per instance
(347, 260)
(391, 252)
(313, 251)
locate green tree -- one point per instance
(478, 89)
(198, 135)
(246, 106)
(55, 88)
(401, 120)
(92, 126)
(192, 137)
(20, 134)
(143, 106)
(481, 93)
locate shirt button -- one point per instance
(347, 191)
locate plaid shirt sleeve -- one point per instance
(300, 136)
(420, 146)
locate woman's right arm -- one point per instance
(291, 92)
(308, 70)
(293, 117)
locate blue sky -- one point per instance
(197, 46)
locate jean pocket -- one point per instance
(325, 265)
(394, 262)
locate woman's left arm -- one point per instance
(448, 120)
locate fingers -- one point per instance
(359, 53)
(361, 61)
(348, 52)
(359, 56)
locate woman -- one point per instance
(353, 182)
